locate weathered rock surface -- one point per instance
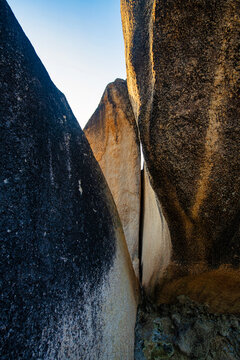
(183, 80)
(68, 290)
(186, 330)
(113, 136)
(156, 241)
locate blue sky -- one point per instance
(79, 42)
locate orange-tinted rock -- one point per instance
(218, 288)
(112, 134)
(183, 80)
(156, 241)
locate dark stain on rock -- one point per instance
(57, 218)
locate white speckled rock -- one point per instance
(113, 136)
(68, 288)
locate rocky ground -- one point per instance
(186, 330)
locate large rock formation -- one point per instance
(183, 80)
(156, 241)
(113, 136)
(68, 290)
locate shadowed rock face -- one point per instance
(112, 134)
(183, 80)
(156, 241)
(68, 289)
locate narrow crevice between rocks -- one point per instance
(141, 227)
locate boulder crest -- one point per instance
(68, 289)
(113, 136)
(183, 73)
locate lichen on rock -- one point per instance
(186, 330)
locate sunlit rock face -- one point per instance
(68, 289)
(183, 80)
(113, 136)
(156, 241)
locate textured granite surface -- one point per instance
(64, 260)
(183, 80)
(113, 136)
